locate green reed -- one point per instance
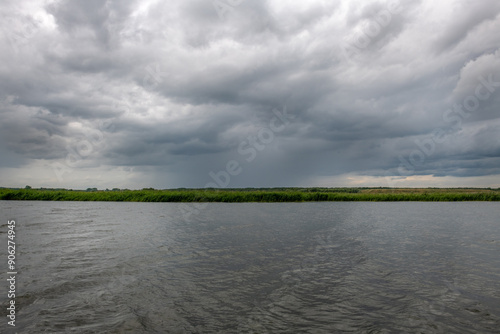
(253, 195)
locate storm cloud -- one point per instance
(136, 94)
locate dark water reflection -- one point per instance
(256, 268)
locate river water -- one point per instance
(102, 267)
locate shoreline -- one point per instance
(263, 195)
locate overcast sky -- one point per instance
(249, 93)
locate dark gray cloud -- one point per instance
(147, 93)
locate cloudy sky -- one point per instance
(249, 93)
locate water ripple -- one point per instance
(257, 268)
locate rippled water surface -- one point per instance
(255, 268)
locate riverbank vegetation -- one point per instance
(253, 194)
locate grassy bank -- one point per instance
(255, 195)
